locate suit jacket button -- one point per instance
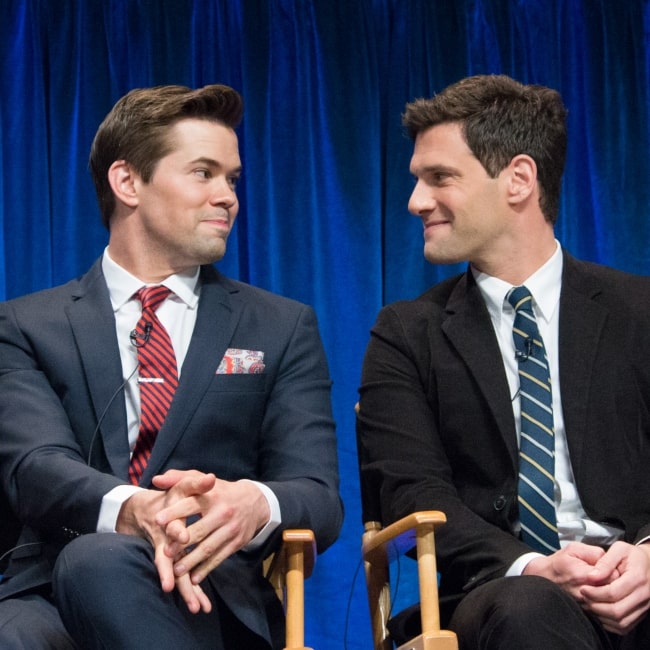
(70, 534)
(500, 503)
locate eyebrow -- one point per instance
(440, 168)
(436, 169)
(204, 160)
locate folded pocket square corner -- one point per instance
(241, 362)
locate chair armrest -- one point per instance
(290, 567)
(402, 535)
(382, 546)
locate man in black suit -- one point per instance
(168, 555)
(440, 404)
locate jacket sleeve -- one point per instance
(43, 469)
(298, 458)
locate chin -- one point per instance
(212, 254)
(441, 257)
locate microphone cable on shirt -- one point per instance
(103, 415)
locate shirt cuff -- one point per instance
(518, 566)
(111, 505)
(274, 520)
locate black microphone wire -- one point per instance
(88, 458)
(134, 336)
(348, 608)
(103, 415)
(346, 625)
(17, 548)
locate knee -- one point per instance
(97, 558)
(523, 598)
(518, 609)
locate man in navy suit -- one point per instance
(440, 401)
(247, 447)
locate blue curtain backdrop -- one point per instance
(326, 182)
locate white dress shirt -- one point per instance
(545, 286)
(178, 315)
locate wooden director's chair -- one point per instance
(381, 546)
(287, 571)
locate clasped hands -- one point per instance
(229, 515)
(612, 585)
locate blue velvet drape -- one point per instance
(326, 182)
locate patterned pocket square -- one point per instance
(241, 362)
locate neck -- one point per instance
(521, 259)
(143, 262)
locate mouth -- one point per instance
(219, 221)
(429, 226)
(224, 223)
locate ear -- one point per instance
(522, 178)
(123, 183)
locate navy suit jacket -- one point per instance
(436, 428)
(64, 432)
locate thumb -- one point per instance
(606, 569)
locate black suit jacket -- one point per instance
(436, 427)
(64, 432)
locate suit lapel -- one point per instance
(216, 320)
(581, 326)
(582, 323)
(91, 318)
(469, 329)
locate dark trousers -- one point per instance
(31, 622)
(532, 613)
(107, 595)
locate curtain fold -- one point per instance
(326, 179)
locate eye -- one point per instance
(440, 177)
(232, 182)
(203, 173)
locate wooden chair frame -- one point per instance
(381, 546)
(287, 571)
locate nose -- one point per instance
(421, 199)
(223, 192)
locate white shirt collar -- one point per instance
(122, 284)
(544, 285)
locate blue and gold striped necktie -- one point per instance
(537, 441)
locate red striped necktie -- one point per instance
(158, 376)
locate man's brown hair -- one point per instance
(500, 119)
